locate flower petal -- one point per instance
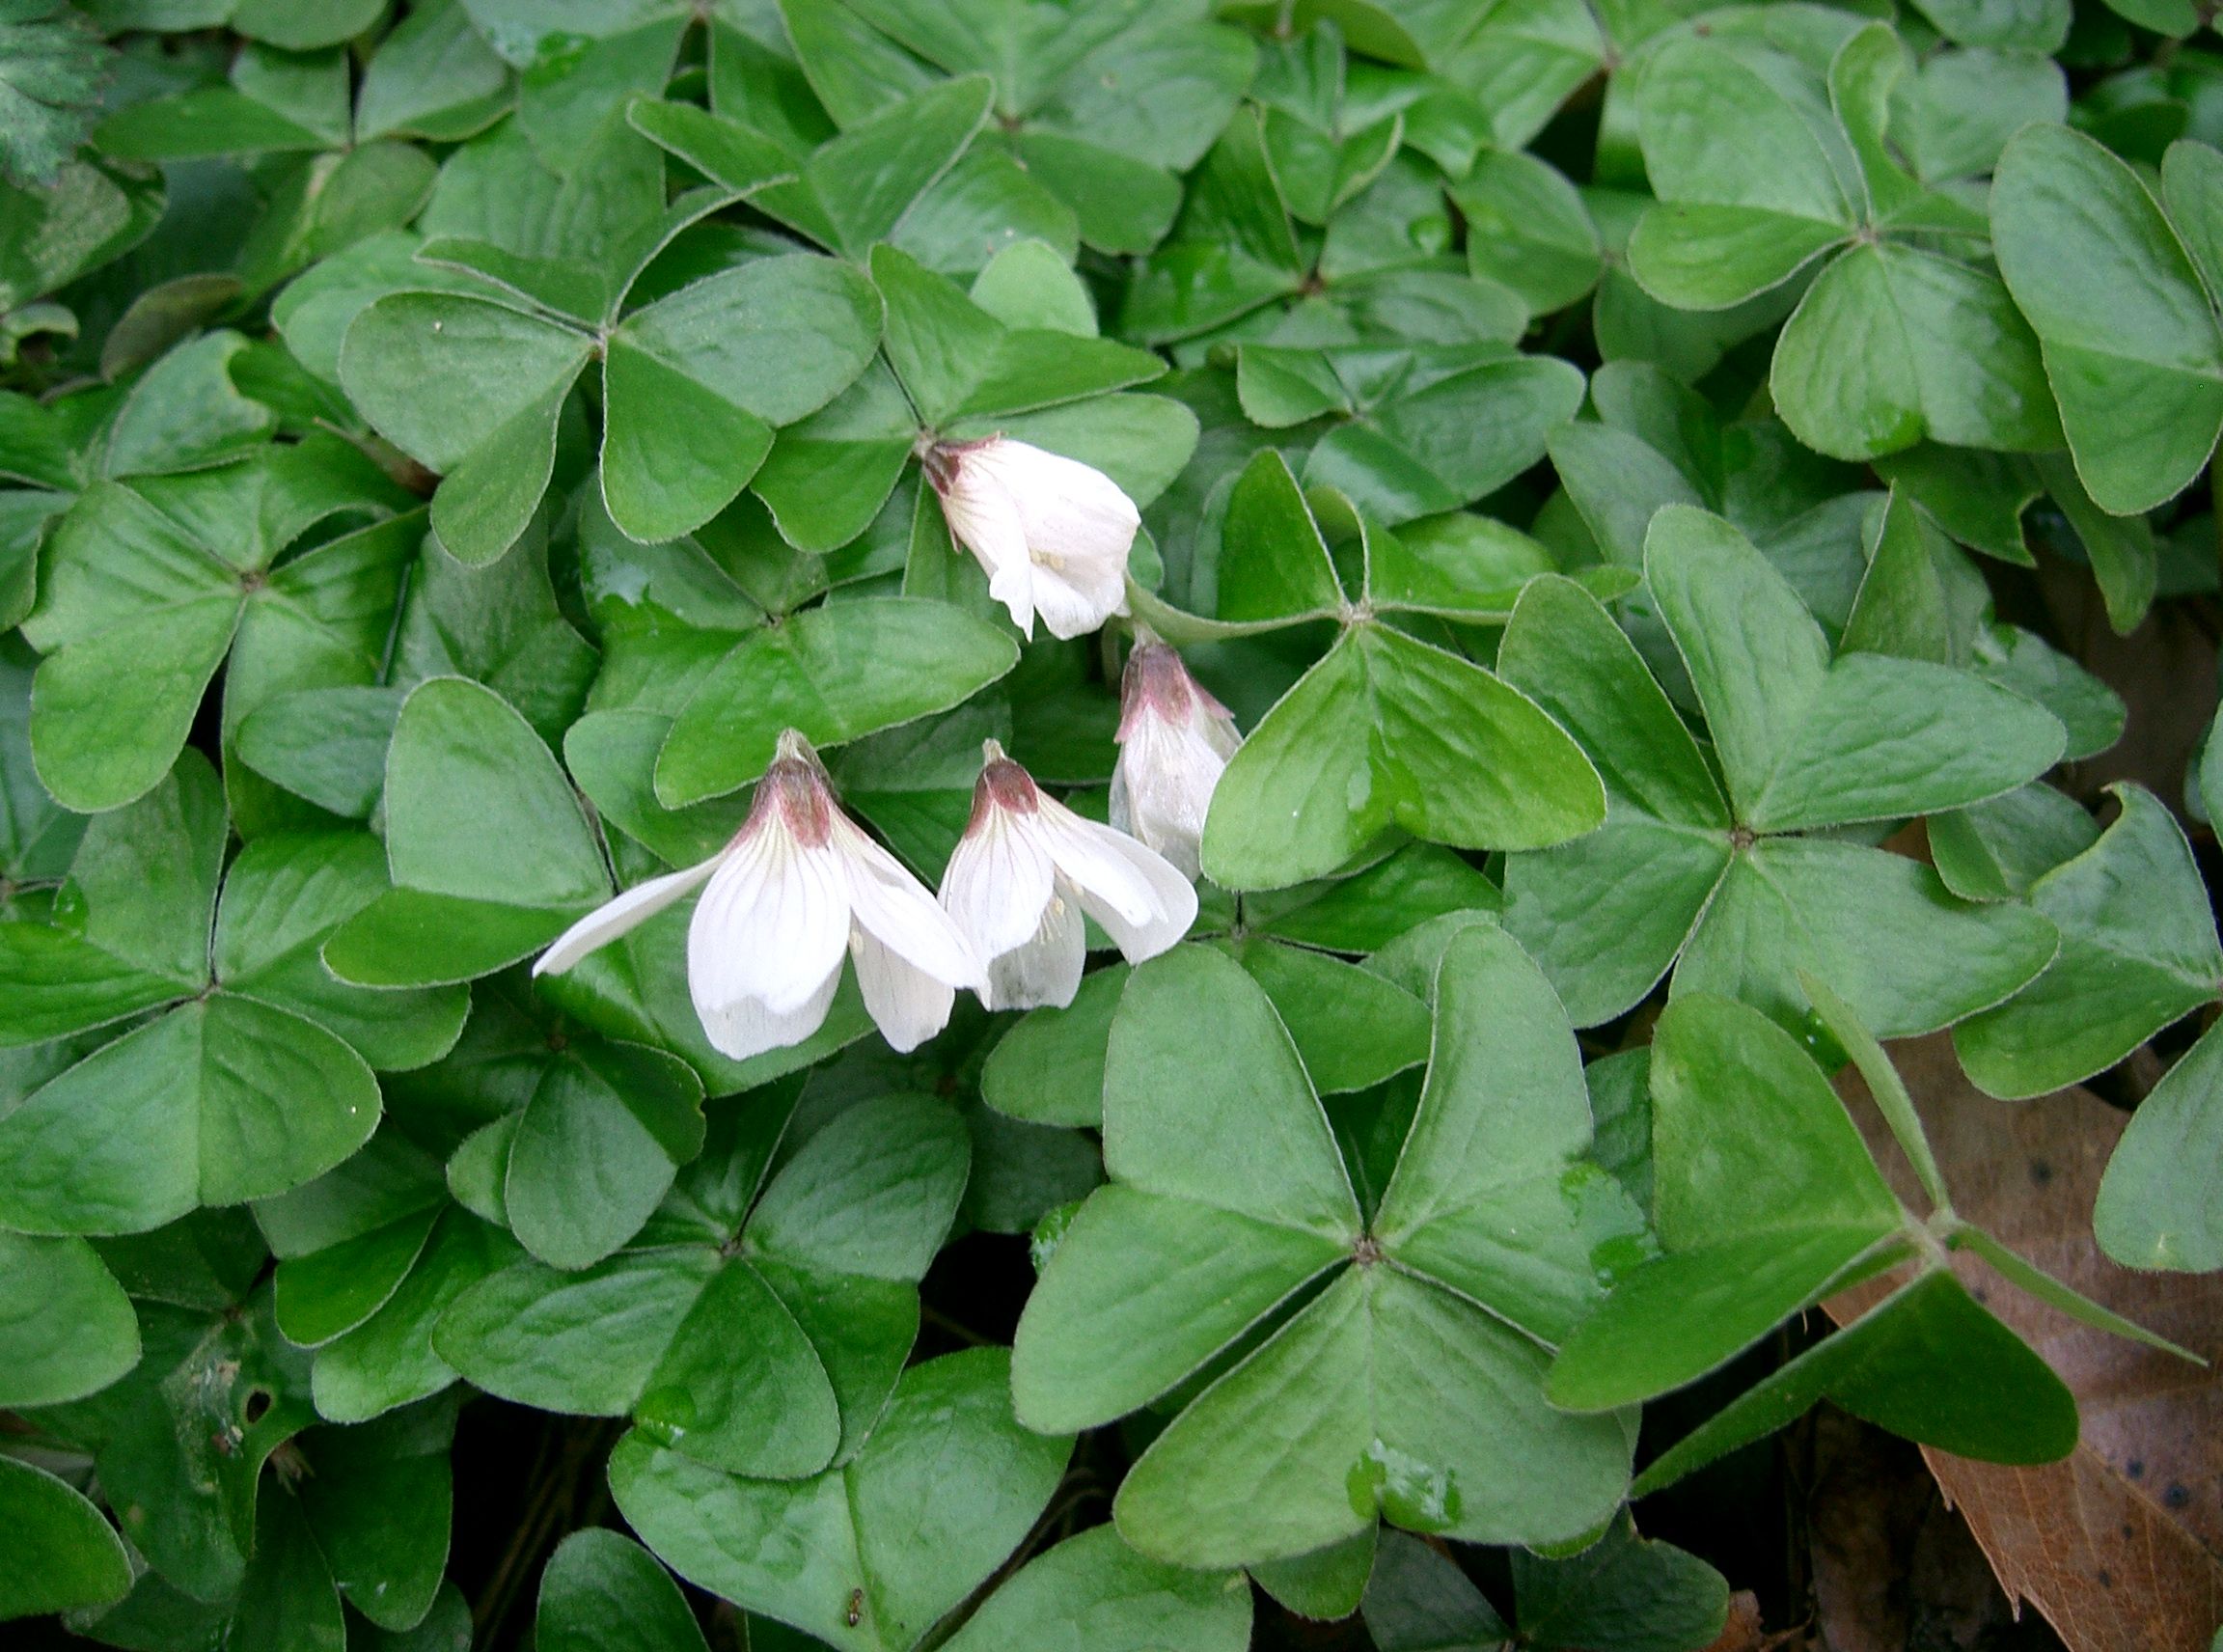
(985, 519)
(1075, 598)
(613, 918)
(1139, 898)
(998, 885)
(1078, 529)
(1162, 783)
(1044, 970)
(1014, 586)
(770, 926)
(891, 905)
(1070, 509)
(743, 1026)
(906, 1004)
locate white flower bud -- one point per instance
(1025, 870)
(1052, 532)
(798, 884)
(1174, 743)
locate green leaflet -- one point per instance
(1724, 882)
(817, 1288)
(1764, 165)
(1229, 1201)
(2120, 307)
(1737, 1104)
(946, 1444)
(445, 445)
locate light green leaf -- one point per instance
(1753, 174)
(468, 388)
(1326, 1585)
(2138, 949)
(1370, 909)
(1996, 850)
(871, 1193)
(1094, 1591)
(1606, 915)
(2157, 1202)
(1805, 742)
(1273, 564)
(1142, 1290)
(1353, 1029)
(1766, 1197)
(1892, 345)
(1487, 1197)
(1387, 731)
(432, 77)
(2015, 25)
(1996, 1402)
(284, 896)
(725, 360)
(1526, 227)
(1415, 1406)
(1191, 1124)
(858, 1578)
(1049, 1067)
(131, 924)
(221, 1100)
(1884, 931)
(856, 189)
(66, 1328)
(955, 358)
(1445, 446)
(389, 1361)
(596, 1148)
(1231, 250)
(2130, 338)
(836, 674)
(185, 413)
(829, 476)
(481, 820)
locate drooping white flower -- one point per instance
(1175, 741)
(1025, 870)
(799, 883)
(1052, 532)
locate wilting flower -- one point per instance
(1052, 532)
(1025, 870)
(1174, 743)
(798, 884)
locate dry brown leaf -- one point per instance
(1742, 1633)
(1892, 1566)
(2120, 1545)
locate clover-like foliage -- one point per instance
(1679, 522)
(1360, 1363)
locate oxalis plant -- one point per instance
(938, 823)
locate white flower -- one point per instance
(1052, 532)
(798, 884)
(1174, 743)
(1025, 869)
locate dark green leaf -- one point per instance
(67, 1556)
(599, 1585)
